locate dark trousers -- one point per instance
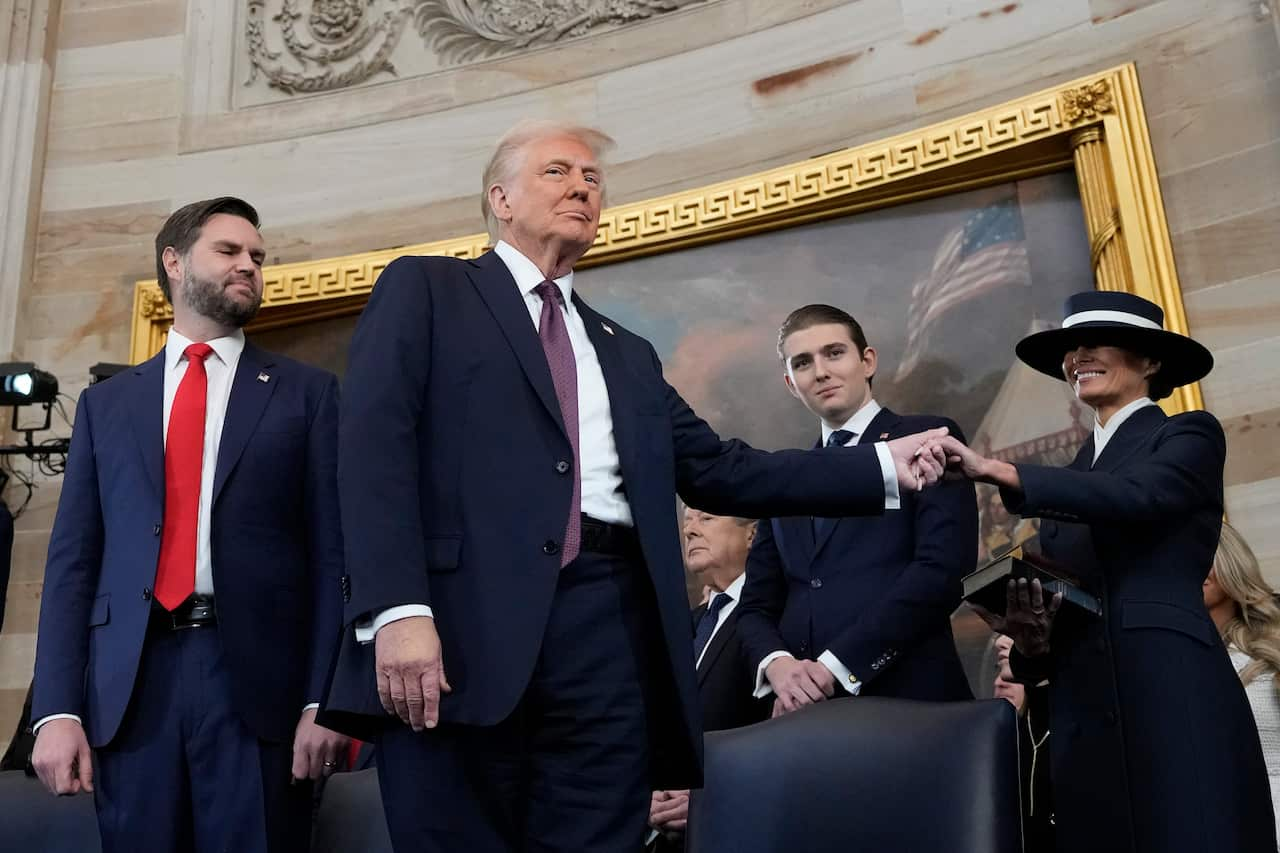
(569, 769)
(184, 773)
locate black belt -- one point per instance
(600, 537)
(196, 612)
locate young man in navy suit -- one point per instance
(856, 606)
(509, 461)
(192, 599)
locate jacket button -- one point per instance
(804, 647)
(146, 593)
(155, 531)
(550, 547)
(562, 467)
(816, 583)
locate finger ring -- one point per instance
(331, 764)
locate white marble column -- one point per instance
(28, 30)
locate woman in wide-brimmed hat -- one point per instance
(1154, 748)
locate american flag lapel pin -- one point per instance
(606, 327)
(883, 436)
(262, 377)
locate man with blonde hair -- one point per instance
(519, 641)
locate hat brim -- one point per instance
(1182, 360)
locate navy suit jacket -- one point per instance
(726, 679)
(453, 494)
(275, 539)
(877, 592)
(1154, 747)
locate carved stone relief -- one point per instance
(305, 46)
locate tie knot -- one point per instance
(839, 438)
(717, 602)
(197, 352)
(549, 291)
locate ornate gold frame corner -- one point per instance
(1095, 125)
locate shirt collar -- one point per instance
(226, 348)
(1102, 434)
(734, 590)
(858, 423)
(527, 274)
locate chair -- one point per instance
(889, 775)
(350, 819)
(34, 821)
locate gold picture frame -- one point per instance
(1095, 125)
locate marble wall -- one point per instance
(137, 106)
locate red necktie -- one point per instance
(183, 454)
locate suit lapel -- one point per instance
(719, 640)
(1129, 437)
(885, 421)
(795, 535)
(147, 410)
(620, 383)
(498, 289)
(248, 399)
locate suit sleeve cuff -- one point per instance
(367, 628)
(763, 687)
(889, 473)
(844, 677)
(40, 722)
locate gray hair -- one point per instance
(509, 154)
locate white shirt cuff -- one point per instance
(367, 629)
(889, 472)
(763, 687)
(310, 706)
(844, 677)
(44, 720)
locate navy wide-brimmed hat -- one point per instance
(1117, 319)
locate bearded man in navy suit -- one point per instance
(192, 600)
(856, 606)
(509, 463)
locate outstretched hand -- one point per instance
(1027, 619)
(918, 459)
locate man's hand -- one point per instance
(1027, 619)
(410, 671)
(62, 759)
(918, 459)
(798, 683)
(962, 461)
(669, 812)
(317, 751)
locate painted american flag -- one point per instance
(987, 252)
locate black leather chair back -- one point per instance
(888, 775)
(34, 821)
(350, 818)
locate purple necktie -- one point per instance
(564, 375)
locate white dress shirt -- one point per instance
(857, 424)
(734, 591)
(598, 465)
(219, 368)
(1102, 434)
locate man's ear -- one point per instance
(791, 385)
(499, 203)
(870, 359)
(1153, 367)
(173, 264)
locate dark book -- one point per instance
(988, 586)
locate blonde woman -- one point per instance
(1243, 606)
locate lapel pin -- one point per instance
(883, 436)
(607, 327)
(262, 377)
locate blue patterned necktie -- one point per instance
(839, 438)
(707, 624)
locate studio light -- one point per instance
(22, 383)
